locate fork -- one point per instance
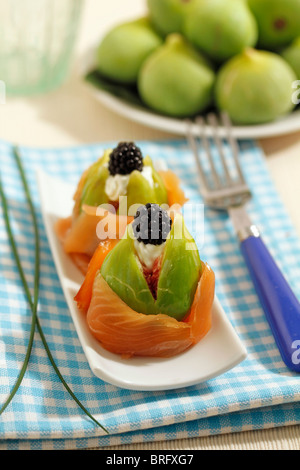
(223, 191)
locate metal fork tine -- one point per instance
(232, 198)
(193, 144)
(217, 194)
(212, 120)
(233, 144)
(202, 126)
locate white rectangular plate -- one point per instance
(219, 351)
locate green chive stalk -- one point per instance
(33, 303)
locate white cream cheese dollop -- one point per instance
(116, 186)
(147, 254)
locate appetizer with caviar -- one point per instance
(119, 180)
(151, 295)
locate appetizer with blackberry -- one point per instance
(120, 172)
(152, 295)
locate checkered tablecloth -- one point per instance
(259, 393)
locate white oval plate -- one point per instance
(285, 125)
(219, 351)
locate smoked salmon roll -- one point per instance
(107, 197)
(150, 295)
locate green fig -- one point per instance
(176, 79)
(178, 277)
(278, 21)
(93, 192)
(123, 272)
(168, 15)
(180, 272)
(124, 49)
(255, 87)
(159, 188)
(221, 28)
(139, 190)
(292, 55)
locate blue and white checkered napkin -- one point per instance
(259, 393)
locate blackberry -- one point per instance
(125, 158)
(151, 224)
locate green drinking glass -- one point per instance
(36, 43)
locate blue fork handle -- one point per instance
(280, 304)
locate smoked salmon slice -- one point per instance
(84, 295)
(174, 191)
(82, 261)
(81, 235)
(123, 331)
(80, 239)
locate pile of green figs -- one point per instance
(188, 56)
